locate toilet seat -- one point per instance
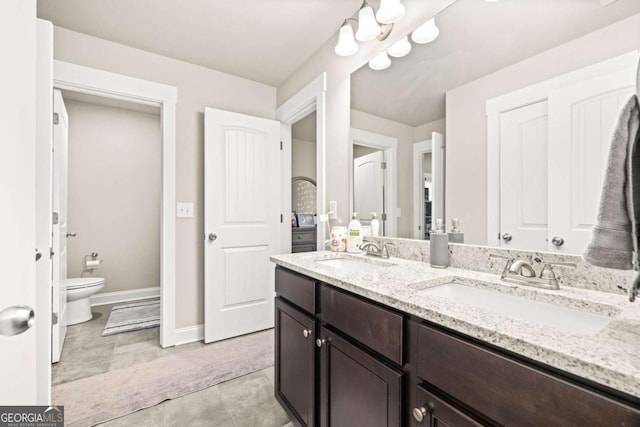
(83, 282)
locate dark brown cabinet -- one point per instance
(345, 361)
(356, 388)
(295, 362)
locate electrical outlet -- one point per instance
(333, 209)
(184, 210)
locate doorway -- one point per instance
(89, 81)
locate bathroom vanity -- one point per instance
(368, 342)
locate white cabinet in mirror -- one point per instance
(526, 113)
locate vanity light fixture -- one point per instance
(390, 11)
(380, 62)
(400, 48)
(369, 27)
(426, 33)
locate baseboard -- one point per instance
(189, 334)
(124, 296)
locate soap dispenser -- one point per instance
(456, 235)
(375, 224)
(439, 245)
(354, 232)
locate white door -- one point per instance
(60, 156)
(368, 186)
(523, 177)
(581, 121)
(243, 196)
(18, 368)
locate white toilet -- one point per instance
(78, 292)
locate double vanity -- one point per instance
(364, 341)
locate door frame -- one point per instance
(310, 98)
(389, 146)
(521, 98)
(78, 78)
(419, 150)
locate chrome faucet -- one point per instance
(522, 273)
(373, 249)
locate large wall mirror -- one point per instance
(516, 101)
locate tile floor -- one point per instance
(246, 401)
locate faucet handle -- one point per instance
(547, 271)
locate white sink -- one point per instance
(351, 265)
(515, 307)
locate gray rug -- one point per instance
(133, 317)
(114, 394)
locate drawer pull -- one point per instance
(420, 413)
(307, 333)
(321, 342)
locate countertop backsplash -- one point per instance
(476, 258)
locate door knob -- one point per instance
(15, 320)
(507, 237)
(420, 413)
(557, 241)
(307, 333)
(212, 237)
(71, 234)
(321, 342)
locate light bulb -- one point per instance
(426, 33)
(400, 48)
(390, 11)
(368, 28)
(380, 62)
(347, 45)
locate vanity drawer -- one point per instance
(373, 326)
(303, 236)
(298, 289)
(508, 391)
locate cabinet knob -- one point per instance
(557, 241)
(321, 342)
(307, 333)
(507, 237)
(420, 413)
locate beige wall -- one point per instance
(114, 173)
(360, 150)
(303, 158)
(198, 87)
(338, 97)
(423, 132)
(466, 130)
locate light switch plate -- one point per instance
(333, 209)
(184, 210)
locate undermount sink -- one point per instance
(353, 265)
(563, 318)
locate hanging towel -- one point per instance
(615, 238)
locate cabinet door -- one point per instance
(432, 411)
(356, 389)
(295, 362)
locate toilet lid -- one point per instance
(83, 282)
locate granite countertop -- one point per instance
(610, 357)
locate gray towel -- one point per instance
(614, 243)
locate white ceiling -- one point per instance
(476, 39)
(261, 40)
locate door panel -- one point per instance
(356, 390)
(523, 177)
(581, 121)
(368, 185)
(21, 381)
(243, 196)
(295, 351)
(59, 274)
